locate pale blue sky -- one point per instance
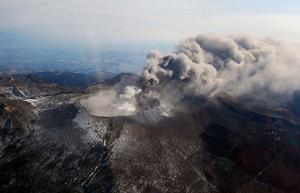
(98, 21)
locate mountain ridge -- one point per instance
(219, 145)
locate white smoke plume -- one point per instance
(238, 65)
(241, 66)
(108, 103)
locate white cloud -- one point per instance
(136, 20)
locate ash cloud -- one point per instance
(244, 67)
(238, 65)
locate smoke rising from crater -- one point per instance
(238, 65)
(110, 102)
(262, 69)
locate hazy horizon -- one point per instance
(107, 23)
(117, 35)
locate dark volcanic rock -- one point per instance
(55, 157)
(50, 143)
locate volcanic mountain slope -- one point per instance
(50, 143)
(217, 146)
(42, 150)
(31, 86)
